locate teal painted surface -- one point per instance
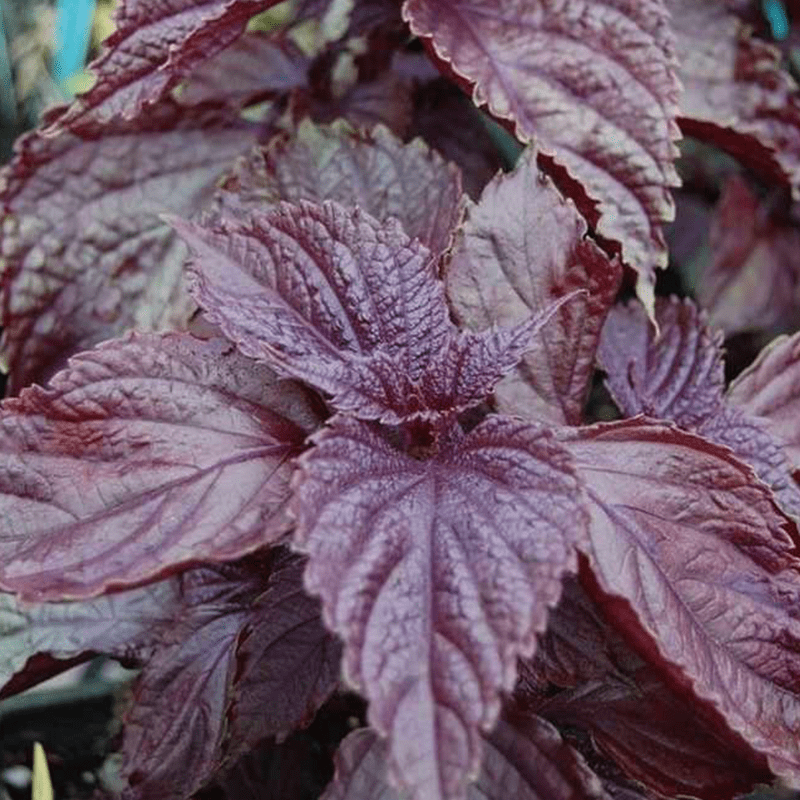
(73, 31)
(776, 16)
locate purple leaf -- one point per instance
(769, 390)
(154, 46)
(652, 731)
(203, 700)
(144, 455)
(375, 171)
(523, 247)
(679, 376)
(86, 256)
(683, 532)
(751, 277)
(124, 624)
(525, 758)
(254, 67)
(351, 306)
(736, 95)
(287, 662)
(593, 84)
(361, 769)
(437, 572)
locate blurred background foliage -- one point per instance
(44, 47)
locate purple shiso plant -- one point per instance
(303, 397)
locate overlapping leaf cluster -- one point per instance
(340, 441)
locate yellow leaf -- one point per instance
(42, 787)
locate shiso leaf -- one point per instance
(374, 170)
(736, 94)
(679, 376)
(524, 758)
(675, 373)
(125, 624)
(769, 390)
(437, 572)
(144, 455)
(522, 247)
(592, 84)
(254, 67)
(695, 565)
(154, 46)
(350, 305)
(651, 730)
(202, 700)
(751, 277)
(86, 256)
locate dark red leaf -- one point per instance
(523, 247)
(375, 171)
(751, 280)
(125, 624)
(144, 455)
(593, 84)
(351, 306)
(679, 376)
(769, 390)
(255, 66)
(649, 729)
(675, 373)
(155, 45)
(287, 662)
(437, 572)
(525, 759)
(735, 93)
(683, 532)
(204, 698)
(86, 255)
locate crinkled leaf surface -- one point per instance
(125, 624)
(155, 45)
(679, 376)
(752, 275)
(525, 758)
(736, 94)
(522, 247)
(86, 255)
(375, 171)
(287, 662)
(351, 306)
(143, 455)
(256, 66)
(437, 573)
(202, 700)
(682, 531)
(770, 390)
(649, 728)
(592, 83)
